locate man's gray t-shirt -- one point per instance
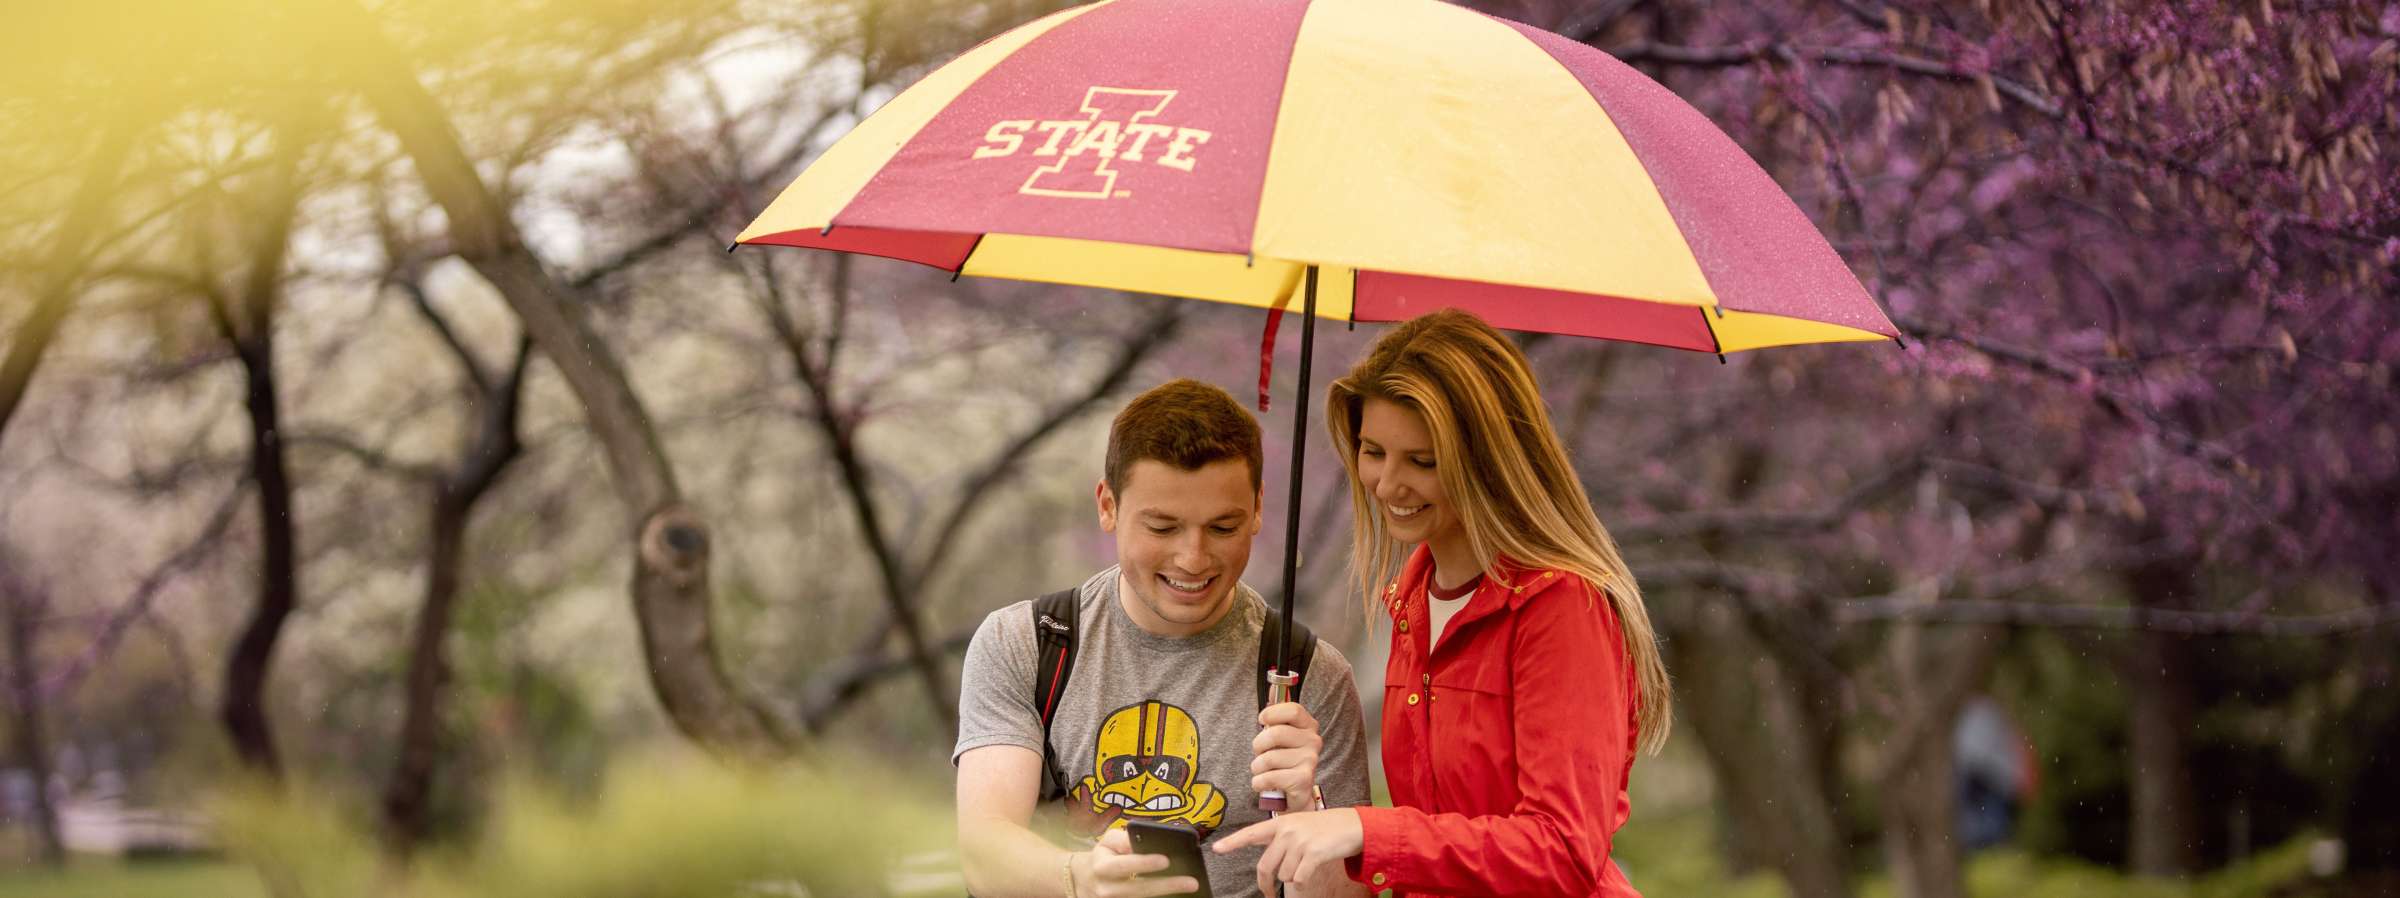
(1157, 728)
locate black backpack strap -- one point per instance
(1303, 648)
(1054, 633)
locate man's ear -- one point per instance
(1108, 507)
(1258, 511)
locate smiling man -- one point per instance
(1154, 712)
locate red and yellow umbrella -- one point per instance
(1378, 158)
(1418, 154)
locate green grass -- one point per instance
(1674, 853)
(112, 879)
(678, 829)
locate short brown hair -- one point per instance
(1184, 423)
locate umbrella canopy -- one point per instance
(1421, 155)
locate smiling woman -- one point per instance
(1514, 620)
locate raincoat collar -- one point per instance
(1506, 585)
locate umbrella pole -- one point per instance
(1291, 507)
(1280, 681)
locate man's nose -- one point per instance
(1191, 551)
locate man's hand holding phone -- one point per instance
(1112, 869)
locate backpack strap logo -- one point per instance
(1053, 626)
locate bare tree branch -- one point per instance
(2026, 96)
(838, 425)
(1593, 21)
(136, 605)
(1761, 49)
(1130, 354)
(696, 218)
(2080, 375)
(55, 292)
(2115, 617)
(835, 686)
(414, 288)
(374, 459)
(1767, 524)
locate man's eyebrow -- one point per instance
(1231, 514)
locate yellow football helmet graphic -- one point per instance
(1144, 766)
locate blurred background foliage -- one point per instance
(402, 493)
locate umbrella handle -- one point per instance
(1280, 684)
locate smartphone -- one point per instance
(1181, 846)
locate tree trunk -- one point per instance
(1917, 775)
(2165, 821)
(1920, 824)
(2370, 832)
(407, 798)
(25, 610)
(243, 709)
(1777, 769)
(1772, 771)
(251, 329)
(671, 542)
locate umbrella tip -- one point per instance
(1900, 339)
(828, 232)
(730, 247)
(1250, 259)
(954, 275)
(1721, 359)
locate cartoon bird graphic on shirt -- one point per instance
(1144, 767)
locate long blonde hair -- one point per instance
(1500, 461)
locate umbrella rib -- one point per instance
(962, 260)
(1353, 315)
(1713, 339)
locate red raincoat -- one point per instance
(1508, 749)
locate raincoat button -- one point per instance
(1412, 698)
(1379, 879)
(1403, 626)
